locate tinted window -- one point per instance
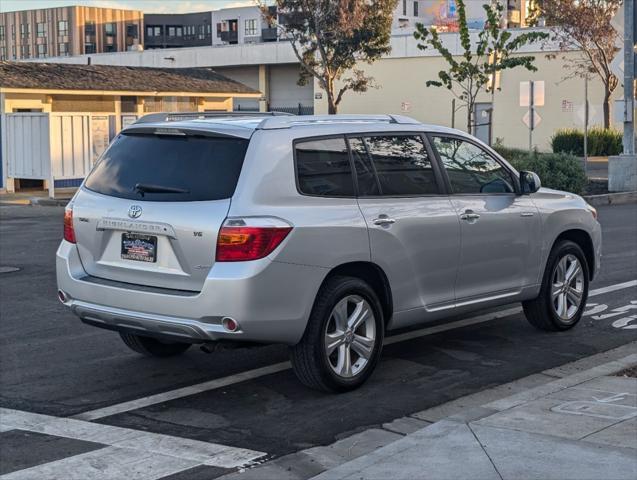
(365, 175)
(203, 168)
(323, 168)
(471, 169)
(402, 165)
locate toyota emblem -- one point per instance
(135, 211)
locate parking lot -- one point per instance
(246, 401)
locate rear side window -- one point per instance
(173, 168)
(402, 165)
(323, 168)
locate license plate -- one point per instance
(141, 248)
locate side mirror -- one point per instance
(529, 182)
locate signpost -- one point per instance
(531, 95)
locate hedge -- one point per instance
(601, 142)
(561, 171)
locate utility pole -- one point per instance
(629, 77)
(622, 169)
(586, 123)
(531, 115)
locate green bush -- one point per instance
(561, 171)
(601, 142)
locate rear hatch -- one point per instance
(150, 211)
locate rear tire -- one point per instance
(151, 347)
(562, 297)
(343, 338)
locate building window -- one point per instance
(25, 51)
(63, 28)
(13, 31)
(175, 31)
(132, 31)
(415, 9)
(110, 29)
(42, 50)
(90, 48)
(89, 27)
(3, 53)
(202, 32)
(41, 29)
(63, 49)
(404, 8)
(1, 33)
(13, 52)
(251, 27)
(219, 30)
(25, 29)
(153, 31)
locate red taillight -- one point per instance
(238, 244)
(69, 232)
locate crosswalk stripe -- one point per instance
(128, 439)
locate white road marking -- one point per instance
(110, 463)
(279, 367)
(612, 288)
(129, 440)
(182, 392)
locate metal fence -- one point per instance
(299, 109)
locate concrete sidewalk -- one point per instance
(583, 426)
(38, 197)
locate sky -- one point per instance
(147, 6)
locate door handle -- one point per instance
(469, 215)
(384, 221)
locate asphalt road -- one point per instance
(52, 364)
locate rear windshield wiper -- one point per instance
(143, 188)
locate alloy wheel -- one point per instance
(567, 287)
(350, 336)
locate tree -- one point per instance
(476, 69)
(330, 37)
(584, 26)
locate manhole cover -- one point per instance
(9, 269)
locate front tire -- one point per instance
(151, 347)
(564, 290)
(343, 340)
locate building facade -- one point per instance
(177, 30)
(53, 32)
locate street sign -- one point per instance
(617, 65)
(538, 93)
(536, 119)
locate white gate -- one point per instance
(47, 146)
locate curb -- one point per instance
(621, 198)
(315, 461)
(35, 201)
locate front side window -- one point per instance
(63, 28)
(402, 165)
(323, 168)
(63, 48)
(41, 30)
(41, 50)
(109, 29)
(472, 170)
(1, 33)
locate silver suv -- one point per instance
(319, 232)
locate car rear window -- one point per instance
(187, 168)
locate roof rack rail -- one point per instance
(176, 116)
(286, 122)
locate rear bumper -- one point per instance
(271, 301)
